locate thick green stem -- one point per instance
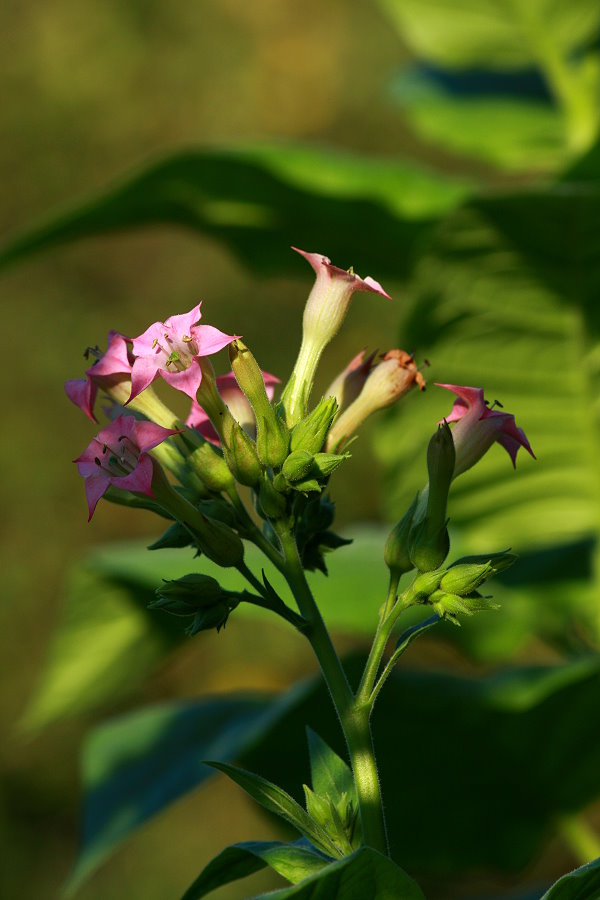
(354, 719)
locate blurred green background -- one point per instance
(467, 183)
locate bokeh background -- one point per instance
(435, 139)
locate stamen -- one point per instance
(97, 461)
(96, 352)
(496, 403)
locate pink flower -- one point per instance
(108, 370)
(118, 456)
(324, 313)
(478, 426)
(171, 349)
(235, 399)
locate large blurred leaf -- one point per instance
(366, 875)
(136, 765)
(493, 33)
(259, 200)
(507, 298)
(506, 130)
(490, 763)
(581, 884)
(105, 603)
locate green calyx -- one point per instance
(396, 553)
(465, 578)
(272, 434)
(241, 455)
(429, 545)
(310, 434)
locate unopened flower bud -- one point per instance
(271, 502)
(498, 561)
(350, 382)
(211, 467)
(429, 545)
(396, 554)
(188, 595)
(212, 617)
(311, 432)
(464, 579)
(298, 465)
(450, 605)
(176, 536)
(272, 435)
(440, 467)
(393, 377)
(240, 453)
(326, 463)
(425, 584)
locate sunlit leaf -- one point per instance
(366, 875)
(492, 33)
(292, 861)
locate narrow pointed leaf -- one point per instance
(292, 861)
(277, 801)
(331, 776)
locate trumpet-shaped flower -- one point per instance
(238, 404)
(478, 426)
(172, 349)
(324, 313)
(118, 456)
(108, 370)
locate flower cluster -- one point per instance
(235, 435)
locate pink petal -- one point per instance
(183, 324)
(196, 416)
(211, 340)
(140, 480)
(323, 266)
(143, 373)
(116, 359)
(187, 381)
(149, 435)
(110, 434)
(144, 343)
(95, 487)
(82, 392)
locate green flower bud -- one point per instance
(271, 502)
(240, 453)
(429, 545)
(188, 595)
(298, 465)
(498, 561)
(424, 585)
(272, 435)
(396, 555)
(213, 617)
(310, 434)
(450, 605)
(326, 463)
(176, 535)
(211, 467)
(441, 457)
(220, 543)
(281, 484)
(464, 579)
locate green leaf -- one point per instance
(257, 200)
(331, 776)
(510, 132)
(107, 596)
(366, 875)
(581, 884)
(491, 33)
(137, 764)
(292, 861)
(277, 801)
